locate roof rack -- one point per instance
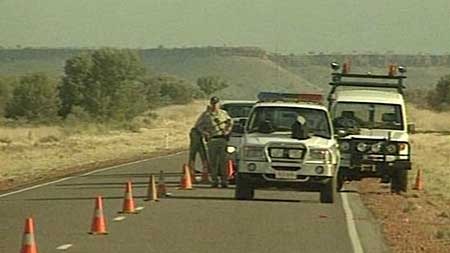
(290, 97)
(380, 81)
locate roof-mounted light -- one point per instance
(402, 69)
(392, 70)
(290, 97)
(335, 66)
(345, 68)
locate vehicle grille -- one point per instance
(288, 168)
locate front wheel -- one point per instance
(244, 190)
(340, 180)
(399, 181)
(328, 191)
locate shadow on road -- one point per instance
(233, 199)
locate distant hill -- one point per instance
(247, 75)
(247, 69)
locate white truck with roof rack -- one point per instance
(369, 117)
(288, 143)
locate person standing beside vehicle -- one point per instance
(217, 126)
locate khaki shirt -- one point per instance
(214, 123)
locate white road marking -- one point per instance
(64, 247)
(119, 218)
(351, 226)
(85, 174)
(139, 208)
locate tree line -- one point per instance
(102, 85)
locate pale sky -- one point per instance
(285, 26)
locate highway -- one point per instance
(198, 220)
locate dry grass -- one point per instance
(427, 120)
(28, 153)
(431, 152)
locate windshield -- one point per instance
(281, 119)
(367, 115)
(238, 110)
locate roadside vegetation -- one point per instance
(104, 107)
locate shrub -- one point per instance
(35, 99)
(105, 83)
(439, 98)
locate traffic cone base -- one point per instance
(98, 233)
(98, 225)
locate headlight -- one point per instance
(231, 149)
(345, 146)
(276, 152)
(361, 147)
(295, 153)
(320, 155)
(254, 153)
(376, 148)
(391, 148)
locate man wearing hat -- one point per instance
(216, 125)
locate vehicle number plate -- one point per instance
(282, 174)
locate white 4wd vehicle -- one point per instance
(272, 156)
(238, 111)
(372, 127)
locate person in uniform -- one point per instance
(216, 125)
(197, 144)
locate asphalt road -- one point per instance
(199, 220)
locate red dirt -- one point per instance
(412, 222)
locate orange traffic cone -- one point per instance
(230, 170)
(152, 193)
(162, 190)
(128, 201)
(419, 181)
(186, 181)
(28, 241)
(98, 226)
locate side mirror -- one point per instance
(411, 128)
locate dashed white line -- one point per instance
(139, 208)
(351, 226)
(119, 218)
(85, 174)
(64, 247)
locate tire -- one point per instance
(243, 190)
(328, 191)
(399, 181)
(340, 181)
